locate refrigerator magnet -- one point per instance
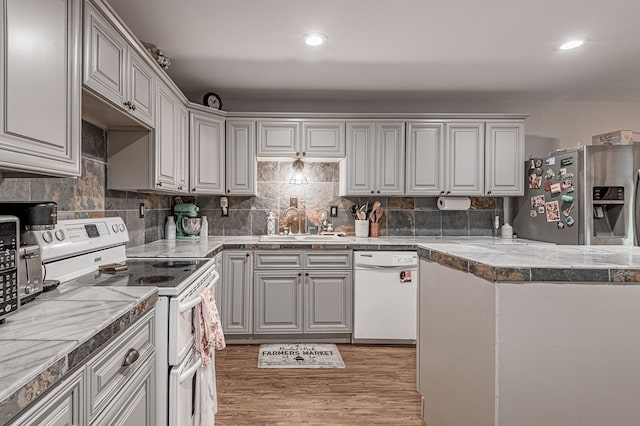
(566, 161)
(535, 181)
(560, 225)
(538, 163)
(556, 188)
(537, 201)
(567, 183)
(570, 189)
(553, 211)
(541, 210)
(569, 221)
(563, 172)
(551, 161)
(547, 185)
(532, 164)
(549, 174)
(539, 171)
(567, 198)
(533, 213)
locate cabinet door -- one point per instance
(64, 405)
(357, 172)
(236, 306)
(142, 89)
(327, 302)
(166, 148)
(465, 158)
(135, 404)
(425, 158)
(40, 86)
(323, 139)
(278, 302)
(241, 165)
(207, 153)
(278, 138)
(390, 163)
(105, 57)
(504, 158)
(182, 157)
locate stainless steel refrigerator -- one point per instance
(585, 196)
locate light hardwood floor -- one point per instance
(377, 386)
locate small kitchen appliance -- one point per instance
(188, 223)
(30, 273)
(586, 195)
(9, 280)
(33, 215)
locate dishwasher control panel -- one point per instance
(387, 259)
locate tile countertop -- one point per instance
(493, 259)
(61, 329)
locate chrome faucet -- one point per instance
(286, 213)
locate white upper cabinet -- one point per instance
(323, 139)
(306, 139)
(206, 133)
(425, 158)
(40, 46)
(278, 138)
(504, 158)
(182, 158)
(374, 163)
(114, 71)
(241, 164)
(465, 158)
(167, 143)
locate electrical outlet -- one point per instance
(333, 211)
(141, 211)
(293, 202)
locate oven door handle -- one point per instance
(191, 371)
(189, 305)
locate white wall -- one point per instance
(551, 124)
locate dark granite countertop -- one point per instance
(57, 332)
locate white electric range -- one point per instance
(73, 252)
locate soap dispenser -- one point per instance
(271, 224)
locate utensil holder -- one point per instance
(362, 228)
(374, 230)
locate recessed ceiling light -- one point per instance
(315, 39)
(572, 44)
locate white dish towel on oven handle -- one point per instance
(208, 336)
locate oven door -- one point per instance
(183, 391)
(181, 338)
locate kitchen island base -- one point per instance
(526, 353)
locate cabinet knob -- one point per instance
(306, 274)
(248, 255)
(131, 357)
(298, 154)
(372, 192)
(133, 107)
(448, 192)
(159, 184)
(378, 191)
(193, 190)
(180, 187)
(299, 274)
(228, 191)
(488, 192)
(128, 104)
(304, 153)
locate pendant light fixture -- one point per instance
(298, 177)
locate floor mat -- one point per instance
(299, 355)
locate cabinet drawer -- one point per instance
(106, 373)
(327, 259)
(277, 260)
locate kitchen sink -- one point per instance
(292, 238)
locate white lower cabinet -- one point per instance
(116, 387)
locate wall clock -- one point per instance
(212, 100)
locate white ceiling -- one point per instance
(395, 48)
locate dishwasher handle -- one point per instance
(386, 268)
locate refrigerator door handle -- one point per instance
(636, 210)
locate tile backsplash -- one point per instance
(404, 216)
(87, 195)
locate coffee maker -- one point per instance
(188, 223)
(33, 216)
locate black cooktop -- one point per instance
(144, 272)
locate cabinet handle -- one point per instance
(133, 107)
(131, 357)
(180, 187)
(128, 104)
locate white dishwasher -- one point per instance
(385, 296)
